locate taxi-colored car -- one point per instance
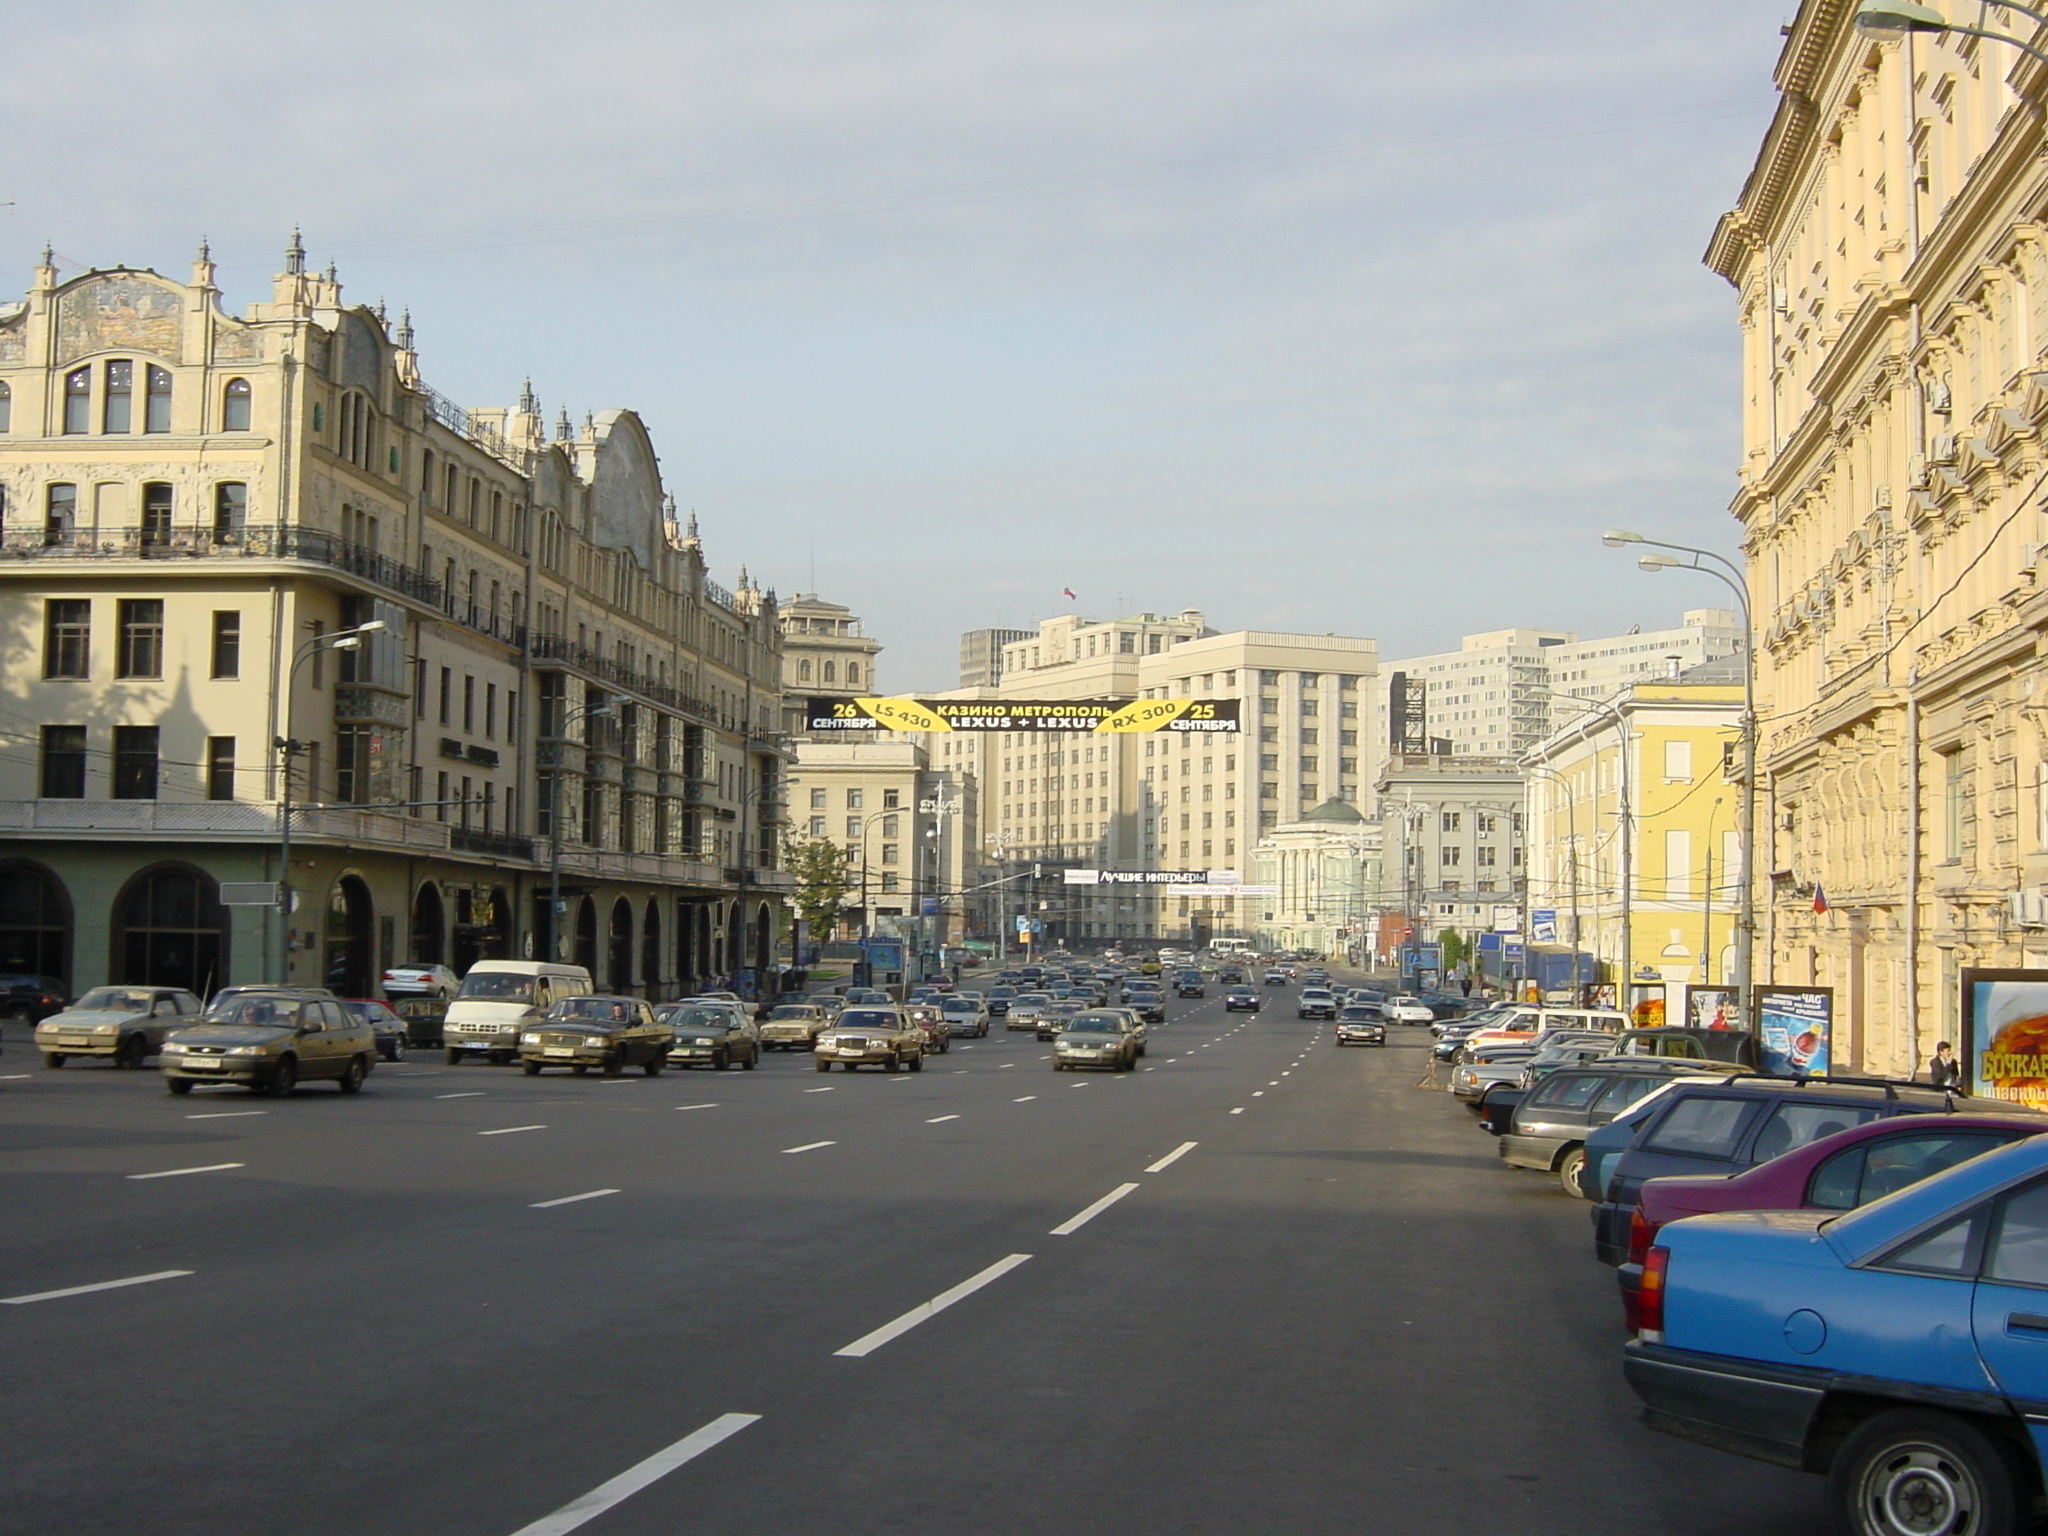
(867, 1036)
(793, 1026)
(124, 1025)
(597, 1030)
(271, 1042)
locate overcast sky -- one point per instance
(1319, 315)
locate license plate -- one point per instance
(74, 1042)
(203, 1063)
(559, 1050)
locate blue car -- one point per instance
(1901, 1350)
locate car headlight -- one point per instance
(245, 1050)
(529, 1039)
(106, 1029)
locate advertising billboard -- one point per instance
(1713, 1008)
(1794, 1026)
(1101, 716)
(2004, 1047)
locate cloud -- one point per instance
(1327, 314)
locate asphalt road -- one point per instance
(1332, 1311)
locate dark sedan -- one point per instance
(1242, 1000)
(1361, 1025)
(384, 1023)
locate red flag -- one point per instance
(1069, 592)
(1820, 899)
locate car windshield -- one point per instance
(114, 1000)
(716, 1019)
(792, 1011)
(605, 1010)
(867, 1018)
(1096, 1024)
(255, 1010)
(1360, 1016)
(497, 987)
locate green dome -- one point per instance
(1333, 810)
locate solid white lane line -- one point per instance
(941, 1119)
(809, 1146)
(629, 1482)
(1173, 1157)
(696, 1106)
(588, 1194)
(512, 1130)
(229, 1114)
(476, 1095)
(1081, 1219)
(868, 1343)
(1025, 1100)
(80, 1290)
(172, 1173)
(817, 1090)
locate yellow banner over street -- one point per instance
(1197, 716)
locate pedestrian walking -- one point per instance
(1944, 1071)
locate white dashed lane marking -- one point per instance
(172, 1173)
(809, 1146)
(103, 1285)
(588, 1194)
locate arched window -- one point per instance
(234, 406)
(156, 409)
(230, 510)
(852, 673)
(78, 400)
(170, 931)
(803, 671)
(117, 404)
(831, 672)
(35, 922)
(6, 409)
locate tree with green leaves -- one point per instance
(1453, 943)
(820, 869)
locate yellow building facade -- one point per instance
(1634, 836)
(1890, 253)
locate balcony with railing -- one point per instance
(545, 647)
(266, 541)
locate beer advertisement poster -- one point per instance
(1793, 1026)
(2004, 1044)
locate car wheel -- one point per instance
(916, 1063)
(1569, 1169)
(134, 1052)
(454, 1056)
(891, 1064)
(849, 1065)
(581, 1069)
(530, 1068)
(615, 1064)
(719, 1061)
(1926, 1473)
(752, 1061)
(351, 1079)
(1141, 1050)
(824, 1065)
(179, 1085)
(1059, 1066)
(284, 1077)
(652, 1065)
(53, 1058)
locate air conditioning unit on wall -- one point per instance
(2029, 907)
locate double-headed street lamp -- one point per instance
(341, 640)
(1727, 572)
(1898, 17)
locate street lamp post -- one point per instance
(604, 709)
(340, 640)
(1897, 17)
(1725, 571)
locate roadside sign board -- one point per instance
(1101, 716)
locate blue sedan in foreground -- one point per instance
(1901, 1350)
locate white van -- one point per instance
(498, 998)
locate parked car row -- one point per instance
(1847, 1276)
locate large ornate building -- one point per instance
(547, 694)
(1890, 250)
